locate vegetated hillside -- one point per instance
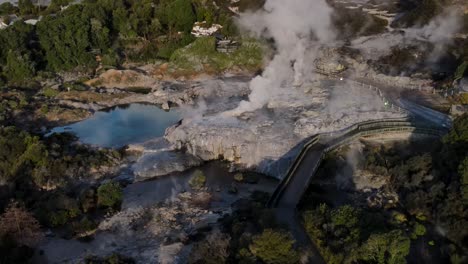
(117, 31)
(49, 183)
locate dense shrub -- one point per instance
(73, 28)
(214, 249)
(109, 195)
(362, 238)
(274, 247)
(7, 9)
(20, 225)
(391, 248)
(198, 180)
(50, 92)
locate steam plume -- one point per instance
(296, 26)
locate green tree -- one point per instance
(19, 67)
(67, 39)
(461, 71)
(120, 22)
(391, 248)
(7, 9)
(274, 247)
(26, 7)
(346, 216)
(56, 5)
(456, 142)
(18, 38)
(19, 153)
(109, 195)
(181, 16)
(100, 37)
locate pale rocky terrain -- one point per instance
(265, 140)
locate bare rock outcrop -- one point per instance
(268, 139)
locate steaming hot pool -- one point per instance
(122, 125)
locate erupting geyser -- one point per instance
(298, 27)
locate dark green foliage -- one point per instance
(26, 7)
(201, 55)
(458, 135)
(57, 209)
(460, 72)
(274, 247)
(19, 67)
(345, 235)
(19, 151)
(83, 226)
(418, 230)
(55, 5)
(430, 180)
(391, 248)
(68, 38)
(109, 195)
(7, 9)
(25, 158)
(169, 46)
(456, 143)
(18, 38)
(250, 217)
(111, 58)
(180, 15)
(250, 5)
(18, 55)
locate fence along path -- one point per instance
(309, 158)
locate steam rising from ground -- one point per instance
(439, 32)
(296, 27)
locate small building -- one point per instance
(226, 45)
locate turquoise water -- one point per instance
(122, 125)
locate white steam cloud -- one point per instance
(439, 32)
(296, 26)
